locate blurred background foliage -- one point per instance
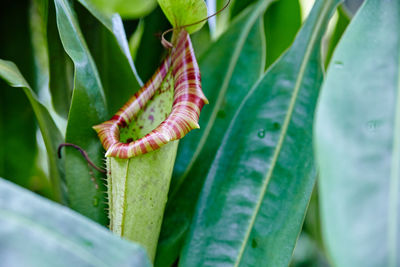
(144, 25)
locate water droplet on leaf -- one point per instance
(254, 243)
(261, 133)
(372, 125)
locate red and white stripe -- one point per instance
(187, 104)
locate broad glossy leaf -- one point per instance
(226, 78)
(117, 78)
(88, 108)
(128, 9)
(53, 71)
(184, 12)
(251, 209)
(114, 24)
(17, 125)
(51, 135)
(57, 99)
(231, 53)
(357, 141)
(37, 232)
(60, 67)
(282, 21)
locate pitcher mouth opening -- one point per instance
(187, 101)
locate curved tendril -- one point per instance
(168, 45)
(83, 152)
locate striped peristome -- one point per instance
(187, 104)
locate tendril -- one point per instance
(168, 45)
(84, 154)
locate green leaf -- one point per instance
(60, 67)
(53, 70)
(17, 124)
(226, 79)
(37, 232)
(184, 12)
(238, 6)
(222, 19)
(201, 41)
(38, 13)
(116, 75)
(51, 134)
(88, 108)
(340, 27)
(154, 25)
(282, 21)
(114, 24)
(136, 38)
(357, 141)
(256, 193)
(18, 150)
(128, 9)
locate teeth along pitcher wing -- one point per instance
(140, 144)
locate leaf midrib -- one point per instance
(285, 127)
(222, 92)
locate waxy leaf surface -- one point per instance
(357, 138)
(251, 209)
(281, 22)
(114, 24)
(51, 134)
(116, 75)
(92, 102)
(37, 232)
(88, 107)
(60, 67)
(226, 78)
(53, 69)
